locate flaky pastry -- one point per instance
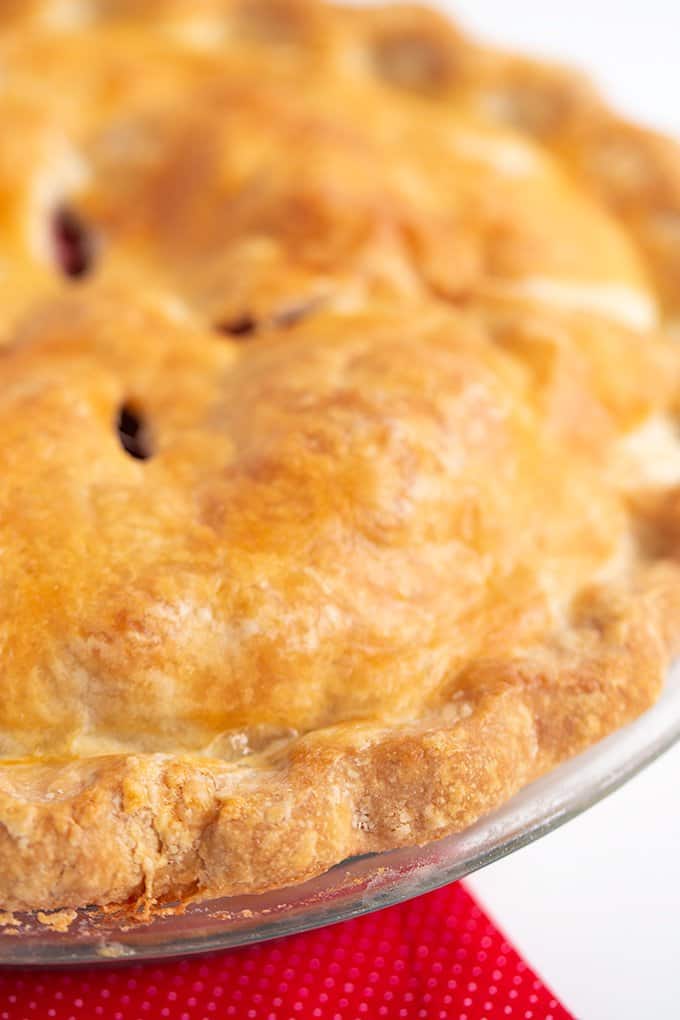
(341, 477)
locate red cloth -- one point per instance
(437, 957)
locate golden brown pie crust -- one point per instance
(387, 320)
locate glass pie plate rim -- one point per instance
(361, 885)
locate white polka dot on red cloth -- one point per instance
(435, 957)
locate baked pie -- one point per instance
(339, 447)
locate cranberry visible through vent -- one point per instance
(133, 434)
(242, 326)
(72, 242)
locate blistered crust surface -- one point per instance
(338, 438)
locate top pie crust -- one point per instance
(390, 316)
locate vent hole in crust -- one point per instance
(73, 244)
(290, 316)
(241, 327)
(133, 433)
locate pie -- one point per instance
(338, 438)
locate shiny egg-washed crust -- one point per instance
(387, 319)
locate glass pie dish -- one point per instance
(360, 884)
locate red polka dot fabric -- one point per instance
(437, 957)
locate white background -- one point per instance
(595, 907)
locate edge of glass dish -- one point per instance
(363, 884)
